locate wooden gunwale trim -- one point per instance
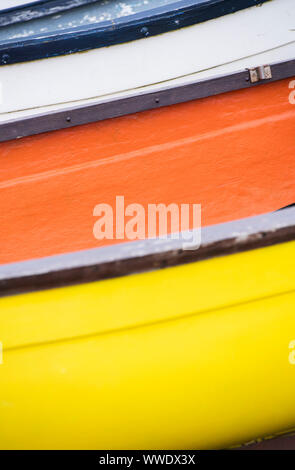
(108, 109)
(159, 20)
(139, 256)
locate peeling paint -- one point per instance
(93, 13)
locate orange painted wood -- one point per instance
(233, 153)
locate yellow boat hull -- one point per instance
(153, 360)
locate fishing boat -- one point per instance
(77, 128)
(96, 359)
(188, 102)
(62, 52)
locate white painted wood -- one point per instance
(276, 55)
(5, 4)
(244, 37)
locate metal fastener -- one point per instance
(262, 72)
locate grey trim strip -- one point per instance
(108, 109)
(139, 256)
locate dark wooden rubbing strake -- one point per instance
(139, 256)
(79, 115)
(283, 442)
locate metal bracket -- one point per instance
(260, 73)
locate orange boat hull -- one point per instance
(232, 153)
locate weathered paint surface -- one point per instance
(107, 24)
(77, 17)
(233, 153)
(127, 66)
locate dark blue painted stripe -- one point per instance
(42, 8)
(150, 23)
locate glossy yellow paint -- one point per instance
(195, 356)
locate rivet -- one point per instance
(5, 58)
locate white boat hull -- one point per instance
(246, 38)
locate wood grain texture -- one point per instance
(233, 153)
